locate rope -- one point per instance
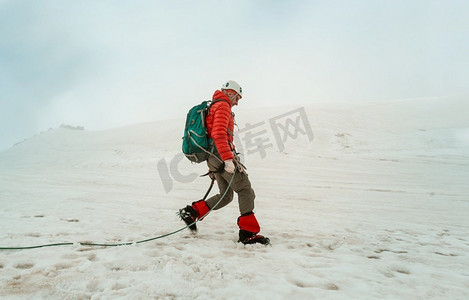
(126, 243)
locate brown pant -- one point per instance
(240, 184)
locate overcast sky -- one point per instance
(103, 64)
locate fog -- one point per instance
(108, 64)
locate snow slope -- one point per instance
(374, 207)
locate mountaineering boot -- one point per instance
(249, 229)
(247, 237)
(194, 212)
(189, 216)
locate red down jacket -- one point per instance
(220, 124)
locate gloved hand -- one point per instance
(229, 166)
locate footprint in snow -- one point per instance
(24, 266)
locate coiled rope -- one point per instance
(126, 243)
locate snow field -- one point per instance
(375, 207)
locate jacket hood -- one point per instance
(219, 95)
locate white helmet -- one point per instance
(232, 85)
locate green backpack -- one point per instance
(196, 145)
